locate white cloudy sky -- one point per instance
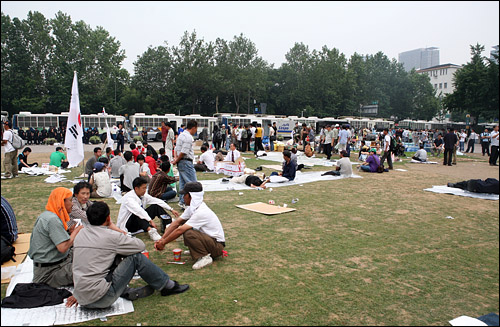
(362, 27)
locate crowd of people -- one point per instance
(72, 223)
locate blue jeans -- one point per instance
(170, 193)
(366, 168)
(187, 173)
(462, 144)
(150, 273)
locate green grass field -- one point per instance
(370, 251)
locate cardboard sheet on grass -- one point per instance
(22, 245)
(55, 314)
(300, 178)
(457, 191)
(264, 208)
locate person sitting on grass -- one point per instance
(144, 170)
(99, 279)
(22, 159)
(58, 158)
(308, 151)
(437, 146)
(134, 216)
(344, 166)
(51, 241)
(200, 226)
(421, 154)
(363, 151)
(207, 160)
(101, 184)
(372, 162)
(161, 184)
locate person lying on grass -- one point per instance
(105, 262)
(200, 226)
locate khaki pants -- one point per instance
(10, 164)
(57, 275)
(201, 244)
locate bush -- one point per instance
(138, 138)
(95, 139)
(280, 138)
(50, 141)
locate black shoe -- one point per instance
(165, 220)
(449, 165)
(175, 290)
(133, 294)
(450, 184)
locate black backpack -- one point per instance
(393, 146)
(8, 251)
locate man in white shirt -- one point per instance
(472, 141)
(10, 159)
(202, 229)
(233, 154)
(387, 149)
(128, 172)
(344, 166)
(207, 159)
(463, 136)
(134, 216)
(421, 154)
(494, 146)
(185, 156)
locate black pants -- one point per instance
(136, 223)
(31, 165)
(258, 145)
(123, 187)
(120, 145)
(494, 155)
(328, 150)
(470, 146)
(64, 164)
(486, 147)
(448, 156)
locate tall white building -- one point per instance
(419, 58)
(441, 78)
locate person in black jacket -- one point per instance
(450, 142)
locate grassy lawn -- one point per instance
(370, 251)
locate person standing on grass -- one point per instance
(494, 146)
(471, 142)
(387, 149)
(200, 226)
(10, 159)
(99, 281)
(185, 156)
(485, 142)
(450, 142)
(51, 241)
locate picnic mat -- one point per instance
(425, 162)
(264, 208)
(300, 178)
(55, 314)
(22, 245)
(457, 191)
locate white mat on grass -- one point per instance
(300, 178)
(425, 162)
(302, 159)
(55, 314)
(35, 171)
(457, 191)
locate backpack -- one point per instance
(393, 145)
(8, 251)
(17, 141)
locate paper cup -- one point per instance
(177, 254)
(146, 253)
(271, 201)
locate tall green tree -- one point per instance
(474, 93)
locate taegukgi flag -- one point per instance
(110, 141)
(74, 131)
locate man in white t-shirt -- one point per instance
(387, 149)
(207, 159)
(344, 166)
(10, 159)
(494, 146)
(463, 136)
(421, 154)
(200, 226)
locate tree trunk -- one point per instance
(248, 102)
(217, 104)
(237, 103)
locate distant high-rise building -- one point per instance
(419, 58)
(494, 51)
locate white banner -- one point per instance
(74, 133)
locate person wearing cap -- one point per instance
(185, 156)
(200, 226)
(101, 184)
(10, 158)
(134, 216)
(99, 278)
(372, 162)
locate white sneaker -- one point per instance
(153, 234)
(202, 262)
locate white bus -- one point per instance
(152, 123)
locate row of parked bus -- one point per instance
(138, 122)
